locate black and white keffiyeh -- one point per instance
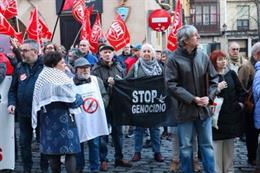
(52, 85)
(151, 67)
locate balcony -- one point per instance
(205, 17)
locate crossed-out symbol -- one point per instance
(1, 154)
(90, 105)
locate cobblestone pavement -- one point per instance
(147, 163)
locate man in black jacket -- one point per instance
(20, 99)
(192, 81)
(107, 70)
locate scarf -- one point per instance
(237, 61)
(52, 85)
(150, 68)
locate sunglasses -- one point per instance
(235, 49)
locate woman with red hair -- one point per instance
(230, 116)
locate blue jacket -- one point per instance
(121, 59)
(22, 87)
(89, 56)
(256, 94)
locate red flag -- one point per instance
(96, 34)
(7, 29)
(68, 4)
(44, 31)
(79, 10)
(118, 35)
(8, 8)
(172, 38)
(33, 27)
(86, 28)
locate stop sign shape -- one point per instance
(159, 20)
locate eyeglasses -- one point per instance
(26, 50)
(235, 49)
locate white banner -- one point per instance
(92, 121)
(7, 160)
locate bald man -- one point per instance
(235, 60)
(83, 51)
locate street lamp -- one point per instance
(224, 29)
(192, 12)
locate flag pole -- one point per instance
(17, 24)
(57, 19)
(75, 39)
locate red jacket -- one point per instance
(129, 62)
(9, 67)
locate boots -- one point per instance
(175, 165)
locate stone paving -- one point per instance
(147, 163)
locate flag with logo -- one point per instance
(33, 27)
(172, 38)
(44, 30)
(86, 28)
(8, 8)
(79, 10)
(117, 34)
(96, 34)
(7, 29)
(68, 4)
(141, 102)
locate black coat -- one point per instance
(21, 91)
(230, 120)
(187, 76)
(104, 71)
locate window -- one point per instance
(242, 24)
(206, 17)
(243, 17)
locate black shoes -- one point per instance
(123, 163)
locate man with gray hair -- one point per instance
(235, 59)
(246, 75)
(192, 82)
(20, 100)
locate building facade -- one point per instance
(222, 21)
(67, 28)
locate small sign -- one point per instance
(123, 11)
(159, 20)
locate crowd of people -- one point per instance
(50, 91)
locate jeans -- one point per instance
(117, 137)
(176, 147)
(155, 138)
(93, 146)
(204, 132)
(25, 144)
(103, 150)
